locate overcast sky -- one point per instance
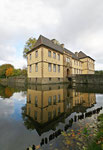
(76, 23)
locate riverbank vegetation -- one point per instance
(97, 143)
(99, 72)
(8, 70)
(88, 136)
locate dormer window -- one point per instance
(36, 53)
(49, 53)
(54, 55)
(30, 56)
(67, 60)
(58, 56)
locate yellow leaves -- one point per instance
(73, 135)
(64, 134)
(38, 146)
(68, 142)
(9, 72)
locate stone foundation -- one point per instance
(47, 80)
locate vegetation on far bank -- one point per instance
(99, 72)
(97, 143)
(8, 70)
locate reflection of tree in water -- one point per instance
(28, 122)
(6, 92)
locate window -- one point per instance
(49, 53)
(29, 98)
(49, 79)
(49, 100)
(58, 56)
(36, 54)
(67, 60)
(59, 98)
(58, 79)
(49, 67)
(36, 101)
(54, 55)
(54, 68)
(35, 115)
(58, 110)
(54, 113)
(36, 67)
(54, 99)
(30, 57)
(49, 115)
(58, 68)
(30, 69)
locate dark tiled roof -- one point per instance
(83, 55)
(46, 42)
(69, 52)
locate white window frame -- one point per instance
(49, 67)
(49, 53)
(36, 67)
(54, 67)
(54, 55)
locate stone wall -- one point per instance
(88, 79)
(47, 80)
(17, 81)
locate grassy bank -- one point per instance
(97, 143)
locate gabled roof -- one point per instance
(71, 53)
(82, 55)
(46, 42)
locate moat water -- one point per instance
(38, 114)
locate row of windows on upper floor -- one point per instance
(55, 67)
(51, 100)
(49, 55)
(77, 63)
(77, 71)
(51, 114)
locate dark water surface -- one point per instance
(28, 116)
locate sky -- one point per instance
(76, 23)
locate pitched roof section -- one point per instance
(83, 55)
(69, 52)
(46, 42)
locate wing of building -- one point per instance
(50, 62)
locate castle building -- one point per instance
(50, 62)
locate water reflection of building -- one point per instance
(43, 106)
(52, 104)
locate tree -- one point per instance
(9, 72)
(3, 69)
(28, 46)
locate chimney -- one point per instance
(76, 53)
(62, 45)
(55, 41)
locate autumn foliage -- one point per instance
(9, 72)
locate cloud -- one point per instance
(6, 107)
(77, 24)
